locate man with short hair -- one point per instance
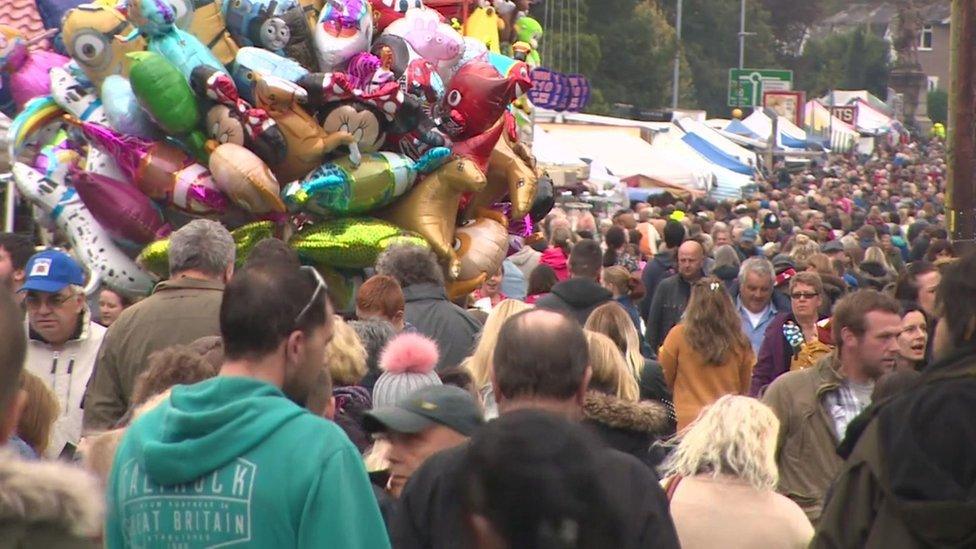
(540, 362)
(673, 293)
(909, 468)
(427, 307)
(63, 341)
(380, 297)
(430, 419)
(15, 250)
(179, 311)
(582, 293)
(663, 265)
(756, 299)
(236, 459)
(815, 405)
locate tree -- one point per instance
(710, 41)
(625, 49)
(854, 60)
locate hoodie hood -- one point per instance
(203, 427)
(524, 256)
(580, 293)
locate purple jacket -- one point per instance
(776, 353)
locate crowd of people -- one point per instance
(789, 370)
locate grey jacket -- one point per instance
(433, 315)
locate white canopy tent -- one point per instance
(790, 135)
(625, 155)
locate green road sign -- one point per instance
(746, 86)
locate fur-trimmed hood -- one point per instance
(647, 417)
(48, 501)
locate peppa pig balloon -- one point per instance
(429, 38)
(344, 28)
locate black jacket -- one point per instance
(630, 427)
(576, 296)
(429, 516)
(430, 312)
(668, 305)
(910, 476)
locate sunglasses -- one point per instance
(320, 287)
(804, 295)
(35, 300)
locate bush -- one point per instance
(938, 105)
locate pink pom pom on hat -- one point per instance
(408, 363)
(409, 353)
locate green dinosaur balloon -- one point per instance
(164, 93)
(350, 243)
(155, 256)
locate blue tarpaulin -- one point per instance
(738, 128)
(792, 142)
(714, 155)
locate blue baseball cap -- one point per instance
(750, 235)
(50, 271)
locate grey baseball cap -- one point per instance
(445, 405)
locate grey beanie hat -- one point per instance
(408, 363)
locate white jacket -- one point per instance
(66, 373)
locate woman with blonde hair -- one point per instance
(875, 270)
(479, 363)
(720, 481)
(610, 320)
(345, 357)
(707, 355)
(611, 405)
(39, 414)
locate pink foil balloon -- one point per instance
(122, 209)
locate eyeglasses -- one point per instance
(320, 287)
(34, 300)
(803, 295)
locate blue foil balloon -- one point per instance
(123, 110)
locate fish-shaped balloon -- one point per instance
(344, 188)
(92, 243)
(351, 242)
(123, 109)
(245, 179)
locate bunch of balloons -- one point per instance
(339, 126)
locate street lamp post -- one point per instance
(677, 59)
(742, 34)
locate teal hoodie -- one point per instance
(232, 462)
